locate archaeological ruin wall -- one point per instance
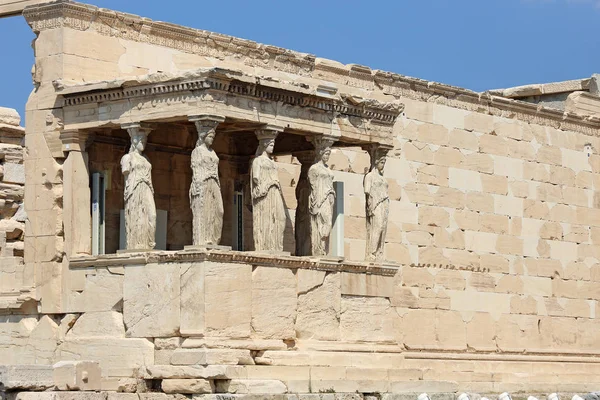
(490, 269)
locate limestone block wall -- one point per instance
(14, 278)
(494, 223)
(307, 331)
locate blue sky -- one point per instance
(477, 44)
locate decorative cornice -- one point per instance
(218, 80)
(236, 257)
(132, 27)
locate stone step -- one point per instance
(191, 372)
(26, 377)
(245, 386)
(187, 386)
(211, 356)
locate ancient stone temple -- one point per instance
(189, 214)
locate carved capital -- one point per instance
(322, 144)
(137, 129)
(75, 140)
(206, 123)
(268, 132)
(376, 151)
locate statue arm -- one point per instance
(257, 189)
(125, 164)
(367, 184)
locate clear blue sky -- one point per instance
(477, 44)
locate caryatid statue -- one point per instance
(140, 209)
(268, 212)
(322, 197)
(377, 205)
(206, 200)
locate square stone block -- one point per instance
(151, 297)
(77, 375)
(228, 299)
(274, 302)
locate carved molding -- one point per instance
(236, 257)
(373, 111)
(74, 140)
(137, 129)
(132, 27)
(206, 123)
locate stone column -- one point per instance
(377, 204)
(322, 196)
(76, 193)
(268, 211)
(302, 219)
(206, 199)
(140, 208)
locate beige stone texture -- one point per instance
(187, 386)
(77, 375)
(151, 300)
(100, 324)
(244, 386)
(117, 357)
(493, 222)
(273, 319)
(367, 285)
(26, 377)
(192, 299)
(319, 310)
(464, 139)
(227, 315)
(433, 216)
(367, 319)
(211, 356)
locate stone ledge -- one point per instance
(236, 257)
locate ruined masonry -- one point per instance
(192, 215)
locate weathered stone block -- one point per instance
(117, 357)
(151, 300)
(228, 299)
(77, 375)
(190, 372)
(367, 285)
(26, 377)
(369, 319)
(274, 302)
(98, 324)
(187, 386)
(192, 299)
(319, 310)
(211, 356)
(242, 386)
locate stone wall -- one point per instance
(15, 279)
(494, 224)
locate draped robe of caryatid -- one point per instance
(377, 212)
(321, 201)
(140, 209)
(205, 197)
(268, 213)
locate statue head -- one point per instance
(380, 164)
(324, 155)
(138, 143)
(207, 138)
(139, 136)
(265, 145)
(266, 141)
